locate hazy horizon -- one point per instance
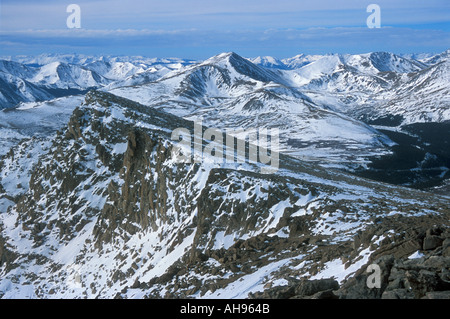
(199, 29)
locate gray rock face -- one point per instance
(312, 287)
(431, 242)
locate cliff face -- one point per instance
(110, 213)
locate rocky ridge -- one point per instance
(108, 213)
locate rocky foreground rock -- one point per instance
(424, 275)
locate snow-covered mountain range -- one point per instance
(336, 81)
(337, 109)
(95, 204)
(34, 79)
(227, 91)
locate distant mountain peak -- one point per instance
(269, 62)
(233, 62)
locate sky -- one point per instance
(198, 29)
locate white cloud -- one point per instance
(90, 33)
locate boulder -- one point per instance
(431, 242)
(397, 294)
(327, 294)
(311, 287)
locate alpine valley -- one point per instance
(94, 202)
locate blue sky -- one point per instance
(199, 29)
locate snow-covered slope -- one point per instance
(115, 70)
(269, 62)
(375, 62)
(21, 83)
(437, 58)
(300, 60)
(108, 212)
(68, 76)
(207, 83)
(17, 69)
(377, 85)
(353, 73)
(425, 97)
(14, 90)
(421, 97)
(34, 119)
